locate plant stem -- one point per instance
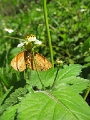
(48, 33)
(37, 70)
(88, 90)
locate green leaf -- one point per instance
(63, 104)
(3, 79)
(10, 113)
(13, 99)
(15, 50)
(68, 76)
(87, 59)
(47, 78)
(69, 71)
(86, 45)
(5, 95)
(65, 76)
(77, 83)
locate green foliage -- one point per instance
(58, 99)
(59, 92)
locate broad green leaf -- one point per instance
(77, 83)
(73, 102)
(60, 104)
(65, 76)
(10, 113)
(68, 71)
(68, 76)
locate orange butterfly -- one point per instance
(26, 59)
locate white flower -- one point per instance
(9, 30)
(82, 10)
(30, 39)
(38, 9)
(21, 44)
(38, 42)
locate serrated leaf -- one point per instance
(13, 99)
(65, 76)
(10, 113)
(69, 71)
(63, 104)
(5, 95)
(74, 102)
(77, 83)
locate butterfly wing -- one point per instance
(38, 62)
(24, 58)
(18, 62)
(42, 63)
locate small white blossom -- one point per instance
(21, 44)
(38, 9)
(9, 30)
(82, 10)
(30, 39)
(38, 42)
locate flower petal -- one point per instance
(9, 30)
(21, 44)
(30, 39)
(38, 42)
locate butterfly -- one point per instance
(26, 59)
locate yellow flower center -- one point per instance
(31, 36)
